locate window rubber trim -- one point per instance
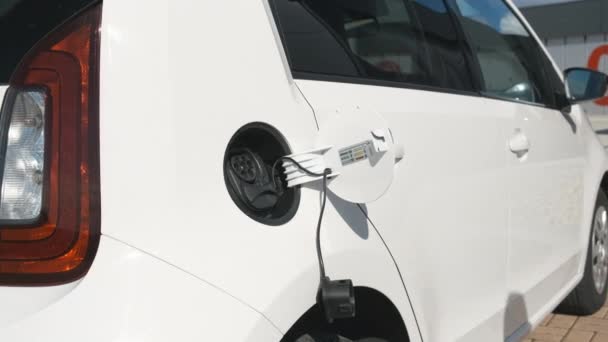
(471, 60)
(311, 76)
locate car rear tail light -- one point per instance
(49, 158)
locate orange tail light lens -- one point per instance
(50, 231)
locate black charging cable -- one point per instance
(335, 297)
(325, 174)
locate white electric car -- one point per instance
(168, 165)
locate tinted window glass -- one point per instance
(448, 64)
(25, 22)
(394, 40)
(509, 58)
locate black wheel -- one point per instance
(590, 294)
(323, 337)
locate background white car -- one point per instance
(139, 142)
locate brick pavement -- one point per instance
(563, 328)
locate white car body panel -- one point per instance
(175, 146)
(129, 295)
(431, 208)
(595, 167)
(179, 261)
(546, 207)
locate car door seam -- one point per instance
(314, 113)
(407, 295)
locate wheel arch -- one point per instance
(604, 182)
(377, 316)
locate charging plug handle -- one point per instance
(337, 298)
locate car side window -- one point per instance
(509, 58)
(410, 41)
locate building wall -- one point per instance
(575, 18)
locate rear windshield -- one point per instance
(25, 22)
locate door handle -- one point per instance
(519, 144)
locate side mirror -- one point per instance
(585, 84)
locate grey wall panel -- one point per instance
(569, 19)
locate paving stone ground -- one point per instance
(563, 328)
